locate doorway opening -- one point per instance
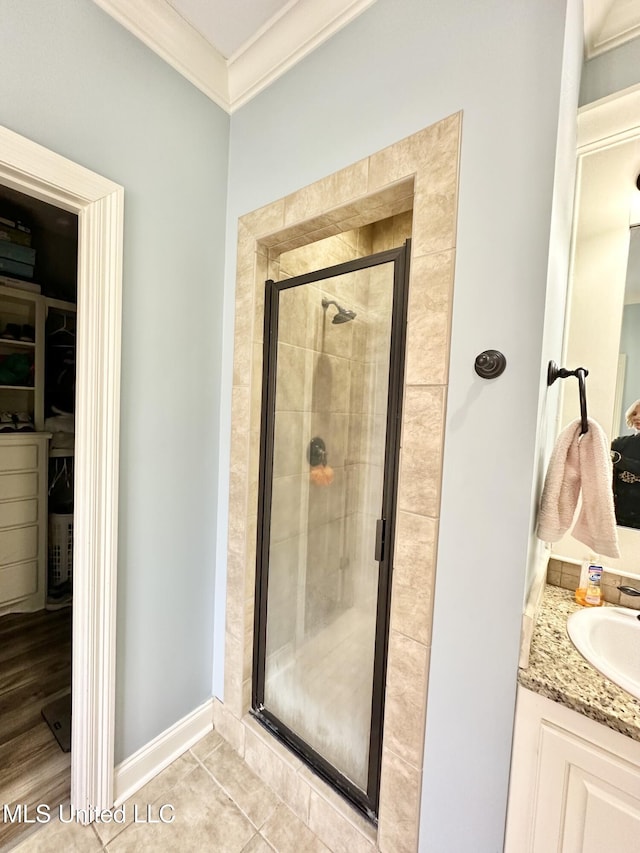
(38, 287)
(333, 369)
(42, 174)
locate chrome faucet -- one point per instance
(629, 590)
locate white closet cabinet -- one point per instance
(23, 521)
(21, 310)
(23, 456)
(575, 783)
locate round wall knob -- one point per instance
(490, 364)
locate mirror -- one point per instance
(603, 297)
(625, 446)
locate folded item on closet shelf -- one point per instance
(6, 422)
(23, 422)
(16, 422)
(62, 441)
(16, 369)
(60, 423)
(62, 412)
(11, 332)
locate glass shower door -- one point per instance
(331, 403)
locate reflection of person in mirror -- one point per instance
(625, 454)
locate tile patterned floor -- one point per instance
(219, 804)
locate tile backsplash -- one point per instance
(567, 575)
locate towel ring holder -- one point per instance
(554, 372)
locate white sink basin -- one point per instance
(609, 638)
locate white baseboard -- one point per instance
(147, 762)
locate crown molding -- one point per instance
(283, 41)
(609, 23)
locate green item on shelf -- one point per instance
(16, 369)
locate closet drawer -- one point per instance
(18, 544)
(18, 581)
(13, 513)
(19, 457)
(14, 486)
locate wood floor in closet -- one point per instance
(35, 668)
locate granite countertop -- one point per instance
(558, 671)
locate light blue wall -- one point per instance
(73, 80)
(610, 72)
(401, 66)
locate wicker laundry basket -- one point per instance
(60, 551)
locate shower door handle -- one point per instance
(380, 531)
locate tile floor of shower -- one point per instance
(322, 690)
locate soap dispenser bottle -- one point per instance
(593, 596)
(584, 584)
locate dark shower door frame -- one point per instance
(367, 801)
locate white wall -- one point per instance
(629, 334)
(401, 66)
(557, 283)
(73, 80)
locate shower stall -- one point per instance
(331, 407)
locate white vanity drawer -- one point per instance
(13, 513)
(18, 581)
(18, 544)
(14, 486)
(18, 457)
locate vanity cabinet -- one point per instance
(575, 783)
(23, 521)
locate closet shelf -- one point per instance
(9, 342)
(19, 436)
(60, 451)
(17, 388)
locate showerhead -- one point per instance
(343, 315)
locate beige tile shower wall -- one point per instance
(391, 232)
(308, 518)
(324, 253)
(419, 172)
(364, 344)
(374, 298)
(320, 366)
(370, 426)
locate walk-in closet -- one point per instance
(38, 286)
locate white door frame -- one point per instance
(99, 203)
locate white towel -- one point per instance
(596, 525)
(580, 465)
(561, 486)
